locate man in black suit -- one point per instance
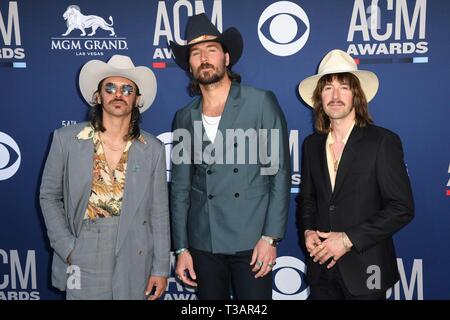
(355, 191)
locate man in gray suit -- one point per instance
(229, 209)
(104, 192)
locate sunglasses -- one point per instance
(126, 89)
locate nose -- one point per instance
(118, 93)
(203, 57)
(335, 93)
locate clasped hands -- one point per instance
(332, 247)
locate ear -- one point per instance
(227, 59)
(138, 101)
(98, 99)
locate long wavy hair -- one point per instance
(96, 115)
(194, 86)
(362, 116)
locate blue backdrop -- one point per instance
(405, 42)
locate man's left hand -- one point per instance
(263, 258)
(159, 283)
(332, 247)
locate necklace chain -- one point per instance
(335, 161)
(111, 146)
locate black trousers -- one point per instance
(220, 276)
(331, 287)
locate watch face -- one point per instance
(275, 242)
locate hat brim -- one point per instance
(95, 71)
(231, 39)
(368, 80)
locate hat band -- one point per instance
(202, 38)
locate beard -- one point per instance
(211, 76)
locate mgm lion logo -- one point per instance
(76, 20)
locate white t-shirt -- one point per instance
(211, 125)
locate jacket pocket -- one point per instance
(257, 191)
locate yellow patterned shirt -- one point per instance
(108, 185)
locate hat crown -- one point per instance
(337, 61)
(120, 62)
(199, 25)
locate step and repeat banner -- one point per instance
(43, 45)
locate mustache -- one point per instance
(205, 66)
(335, 102)
(118, 100)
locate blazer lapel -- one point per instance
(137, 177)
(324, 165)
(80, 179)
(231, 109)
(347, 158)
(197, 135)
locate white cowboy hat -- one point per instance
(95, 71)
(338, 61)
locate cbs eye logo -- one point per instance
(9, 156)
(283, 28)
(289, 277)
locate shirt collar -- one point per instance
(88, 132)
(330, 138)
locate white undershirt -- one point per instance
(211, 125)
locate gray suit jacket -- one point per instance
(143, 240)
(225, 208)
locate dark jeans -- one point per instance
(217, 274)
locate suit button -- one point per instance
(332, 207)
(236, 195)
(209, 172)
(140, 252)
(236, 170)
(210, 196)
(145, 222)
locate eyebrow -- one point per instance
(344, 82)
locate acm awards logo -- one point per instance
(11, 47)
(87, 35)
(169, 25)
(281, 21)
(18, 276)
(10, 157)
(391, 27)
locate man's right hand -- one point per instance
(185, 269)
(312, 240)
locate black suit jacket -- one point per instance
(372, 199)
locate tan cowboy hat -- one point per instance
(95, 71)
(338, 61)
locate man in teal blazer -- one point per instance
(231, 172)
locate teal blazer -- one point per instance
(221, 207)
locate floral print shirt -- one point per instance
(108, 185)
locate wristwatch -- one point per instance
(272, 241)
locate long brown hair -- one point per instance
(362, 116)
(96, 115)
